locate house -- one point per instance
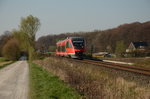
(137, 46)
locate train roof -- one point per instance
(76, 38)
(72, 38)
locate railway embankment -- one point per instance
(96, 82)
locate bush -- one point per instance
(138, 53)
(11, 50)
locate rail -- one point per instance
(129, 68)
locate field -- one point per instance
(94, 82)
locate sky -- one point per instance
(62, 16)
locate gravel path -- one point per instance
(14, 81)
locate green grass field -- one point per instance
(47, 86)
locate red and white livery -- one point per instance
(73, 47)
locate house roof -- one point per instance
(138, 44)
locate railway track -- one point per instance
(129, 68)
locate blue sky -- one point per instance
(60, 16)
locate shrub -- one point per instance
(11, 50)
(139, 53)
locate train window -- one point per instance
(57, 48)
(61, 48)
(78, 44)
(64, 48)
(68, 45)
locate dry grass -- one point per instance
(93, 82)
(144, 63)
(6, 62)
(130, 60)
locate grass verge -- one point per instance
(4, 65)
(47, 86)
(2, 59)
(4, 62)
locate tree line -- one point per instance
(107, 40)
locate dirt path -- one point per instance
(14, 81)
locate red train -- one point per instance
(73, 47)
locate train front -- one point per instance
(79, 46)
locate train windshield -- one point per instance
(78, 43)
